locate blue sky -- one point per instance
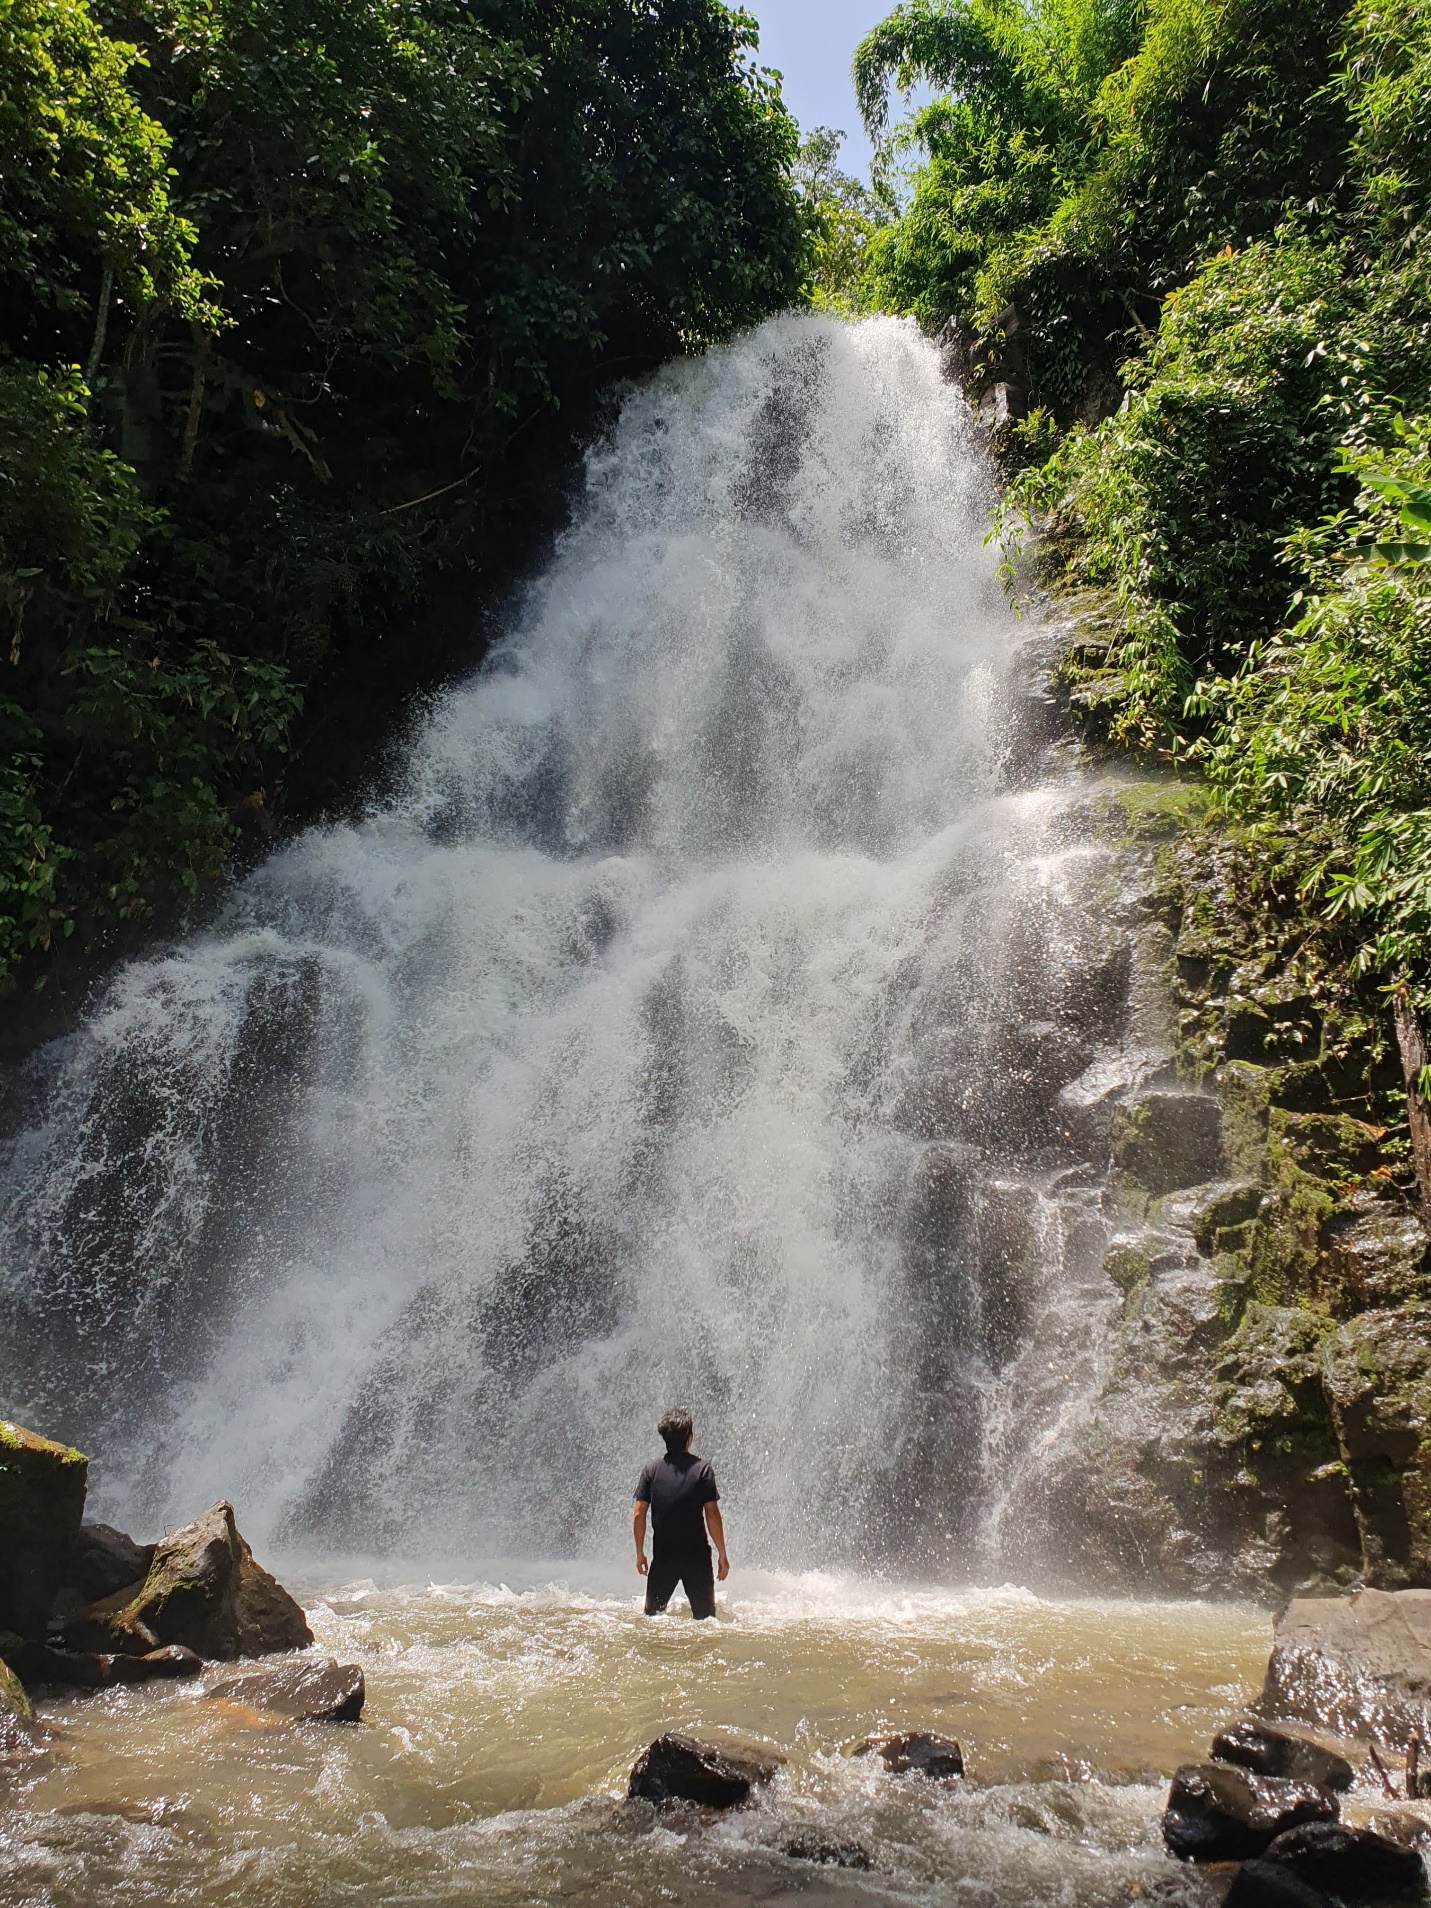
(812, 43)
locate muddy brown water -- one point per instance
(502, 1721)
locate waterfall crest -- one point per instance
(702, 1019)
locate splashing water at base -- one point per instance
(502, 1723)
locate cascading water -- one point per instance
(689, 1026)
(726, 1008)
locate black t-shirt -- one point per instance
(678, 1490)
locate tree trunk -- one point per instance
(1413, 1058)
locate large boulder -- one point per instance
(322, 1691)
(677, 1769)
(42, 1491)
(1219, 1813)
(203, 1590)
(1353, 1862)
(1270, 1885)
(917, 1753)
(1279, 1749)
(104, 1560)
(1354, 1664)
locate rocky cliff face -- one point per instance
(1264, 1420)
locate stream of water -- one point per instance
(718, 1007)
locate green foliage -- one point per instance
(845, 215)
(280, 286)
(1328, 723)
(1198, 244)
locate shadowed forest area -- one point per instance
(1178, 250)
(295, 298)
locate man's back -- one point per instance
(678, 1487)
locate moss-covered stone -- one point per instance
(42, 1493)
(14, 1703)
(205, 1592)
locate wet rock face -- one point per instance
(1354, 1862)
(1219, 1813)
(104, 1560)
(1260, 1884)
(678, 1769)
(326, 1691)
(42, 1492)
(203, 1591)
(1353, 1664)
(1272, 1749)
(1162, 1142)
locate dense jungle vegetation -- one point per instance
(1188, 238)
(281, 288)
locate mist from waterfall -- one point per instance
(690, 1025)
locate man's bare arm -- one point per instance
(717, 1531)
(638, 1530)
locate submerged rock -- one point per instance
(104, 1560)
(1259, 1884)
(814, 1848)
(1273, 1749)
(917, 1753)
(42, 1492)
(1219, 1813)
(1350, 1861)
(325, 1691)
(98, 1669)
(677, 1769)
(1353, 1663)
(203, 1590)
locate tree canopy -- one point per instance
(281, 285)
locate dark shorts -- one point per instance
(693, 1570)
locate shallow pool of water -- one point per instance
(503, 1717)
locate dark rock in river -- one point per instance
(42, 1490)
(104, 1560)
(1269, 1885)
(204, 1591)
(917, 1753)
(676, 1769)
(1353, 1663)
(1274, 1749)
(813, 1848)
(170, 1660)
(325, 1691)
(97, 1669)
(1219, 1813)
(1354, 1862)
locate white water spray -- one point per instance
(689, 1028)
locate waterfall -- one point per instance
(704, 1018)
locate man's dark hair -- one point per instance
(676, 1429)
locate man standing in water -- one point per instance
(680, 1492)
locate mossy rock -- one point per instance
(1128, 1266)
(42, 1493)
(14, 1703)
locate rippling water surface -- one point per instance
(503, 1717)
